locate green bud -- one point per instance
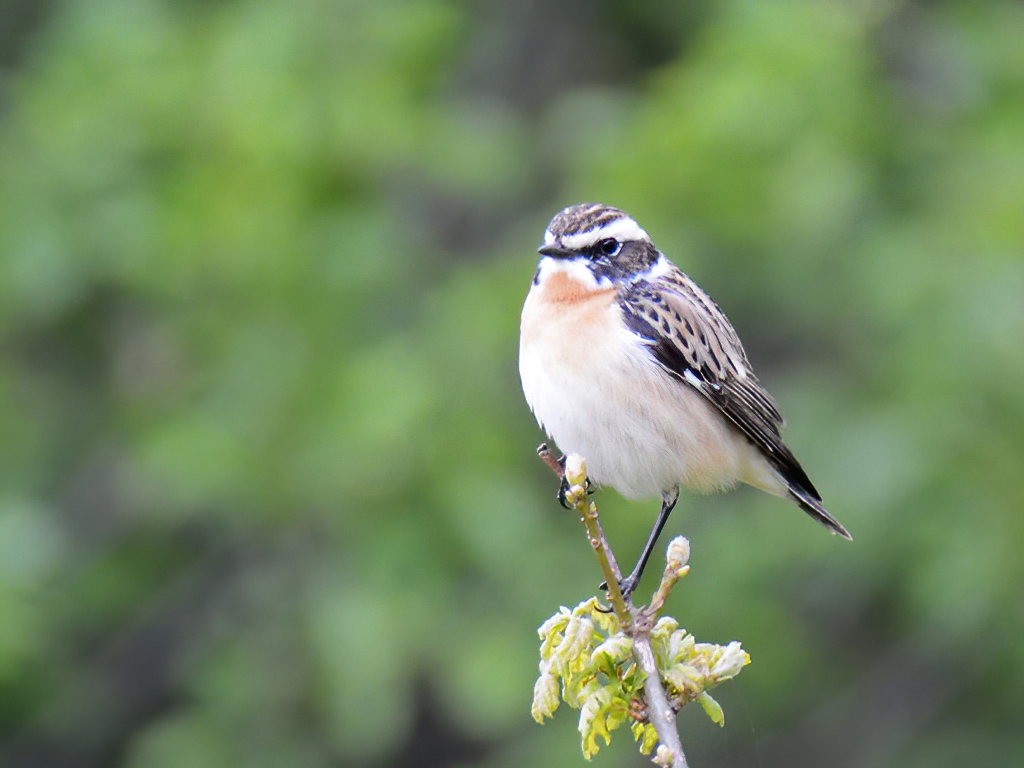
(726, 662)
(587, 662)
(646, 734)
(712, 707)
(664, 757)
(613, 650)
(593, 716)
(679, 554)
(575, 470)
(545, 697)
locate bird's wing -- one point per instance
(695, 343)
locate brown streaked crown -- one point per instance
(583, 217)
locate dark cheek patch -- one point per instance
(633, 258)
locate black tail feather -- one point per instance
(811, 504)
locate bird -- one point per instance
(625, 361)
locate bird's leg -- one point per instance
(668, 502)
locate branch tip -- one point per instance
(607, 658)
(548, 458)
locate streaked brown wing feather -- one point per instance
(693, 340)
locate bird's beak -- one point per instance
(554, 251)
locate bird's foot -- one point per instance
(564, 487)
(627, 586)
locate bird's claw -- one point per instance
(627, 586)
(564, 488)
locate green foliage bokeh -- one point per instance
(267, 487)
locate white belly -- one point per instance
(596, 390)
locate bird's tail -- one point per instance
(781, 474)
(810, 503)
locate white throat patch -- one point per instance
(578, 269)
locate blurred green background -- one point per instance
(268, 492)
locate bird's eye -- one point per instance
(608, 247)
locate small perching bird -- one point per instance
(626, 362)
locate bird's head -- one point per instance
(604, 240)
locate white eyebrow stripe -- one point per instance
(623, 229)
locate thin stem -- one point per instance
(576, 476)
(635, 622)
(659, 710)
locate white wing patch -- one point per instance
(691, 377)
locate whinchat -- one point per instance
(626, 362)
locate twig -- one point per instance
(635, 622)
(659, 710)
(576, 477)
(549, 458)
